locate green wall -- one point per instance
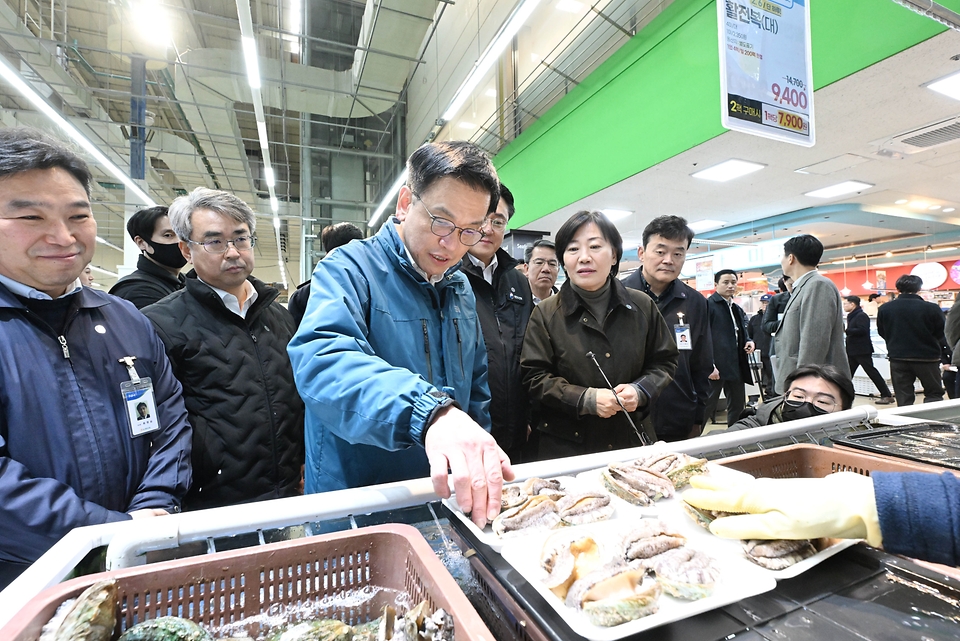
(659, 95)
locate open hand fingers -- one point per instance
(438, 474)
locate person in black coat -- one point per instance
(678, 412)
(504, 304)
(860, 347)
(158, 267)
(731, 344)
(331, 237)
(762, 340)
(226, 338)
(913, 329)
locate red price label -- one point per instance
(789, 96)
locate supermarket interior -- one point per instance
(757, 121)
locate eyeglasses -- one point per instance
(442, 227)
(824, 402)
(540, 262)
(497, 223)
(217, 246)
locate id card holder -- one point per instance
(683, 336)
(139, 402)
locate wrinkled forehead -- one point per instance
(543, 252)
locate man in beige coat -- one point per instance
(811, 332)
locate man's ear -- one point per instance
(141, 244)
(404, 202)
(186, 251)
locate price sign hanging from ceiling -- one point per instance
(766, 75)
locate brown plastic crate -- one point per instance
(225, 587)
(815, 461)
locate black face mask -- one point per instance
(167, 255)
(793, 410)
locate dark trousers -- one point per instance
(736, 399)
(904, 373)
(766, 377)
(866, 362)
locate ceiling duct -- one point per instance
(925, 138)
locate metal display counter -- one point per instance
(861, 593)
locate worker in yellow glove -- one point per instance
(913, 513)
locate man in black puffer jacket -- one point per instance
(504, 304)
(226, 338)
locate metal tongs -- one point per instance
(644, 439)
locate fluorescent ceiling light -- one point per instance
(705, 225)
(728, 170)
(12, 77)
(841, 189)
(933, 207)
(262, 133)
(106, 242)
(253, 65)
(104, 271)
(842, 261)
(570, 6)
(616, 214)
(888, 265)
(388, 198)
(276, 222)
(941, 249)
(489, 57)
(295, 19)
(902, 201)
(268, 174)
(949, 86)
(948, 210)
(274, 205)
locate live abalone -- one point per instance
(778, 554)
(178, 629)
(615, 594)
(677, 466)
(585, 507)
(648, 538)
(685, 573)
(635, 484)
(92, 616)
(566, 558)
(538, 513)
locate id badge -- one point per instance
(684, 338)
(141, 407)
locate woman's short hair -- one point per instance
(608, 230)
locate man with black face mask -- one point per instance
(158, 268)
(812, 390)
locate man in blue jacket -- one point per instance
(76, 364)
(389, 358)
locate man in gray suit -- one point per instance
(811, 332)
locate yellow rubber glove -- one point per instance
(840, 506)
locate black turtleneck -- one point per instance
(53, 312)
(597, 302)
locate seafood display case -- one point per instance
(859, 593)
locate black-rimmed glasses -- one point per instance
(442, 227)
(218, 246)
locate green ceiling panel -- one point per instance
(659, 95)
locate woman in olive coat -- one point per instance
(578, 412)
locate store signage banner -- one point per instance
(766, 74)
(704, 274)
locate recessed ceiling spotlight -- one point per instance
(919, 204)
(933, 207)
(728, 170)
(949, 86)
(902, 201)
(840, 189)
(948, 210)
(888, 254)
(616, 214)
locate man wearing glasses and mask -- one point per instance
(812, 390)
(226, 337)
(389, 357)
(504, 304)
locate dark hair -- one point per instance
(782, 283)
(26, 148)
(828, 373)
(672, 227)
(806, 249)
(507, 196)
(723, 272)
(144, 222)
(528, 252)
(609, 231)
(909, 284)
(872, 297)
(338, 234)
(852, 299)
(457, 159)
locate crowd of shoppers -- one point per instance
(424, 350)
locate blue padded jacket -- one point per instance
(375, 341)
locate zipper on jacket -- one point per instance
(456, 326)
(270, 414)
(63, 345)
(426, 350)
